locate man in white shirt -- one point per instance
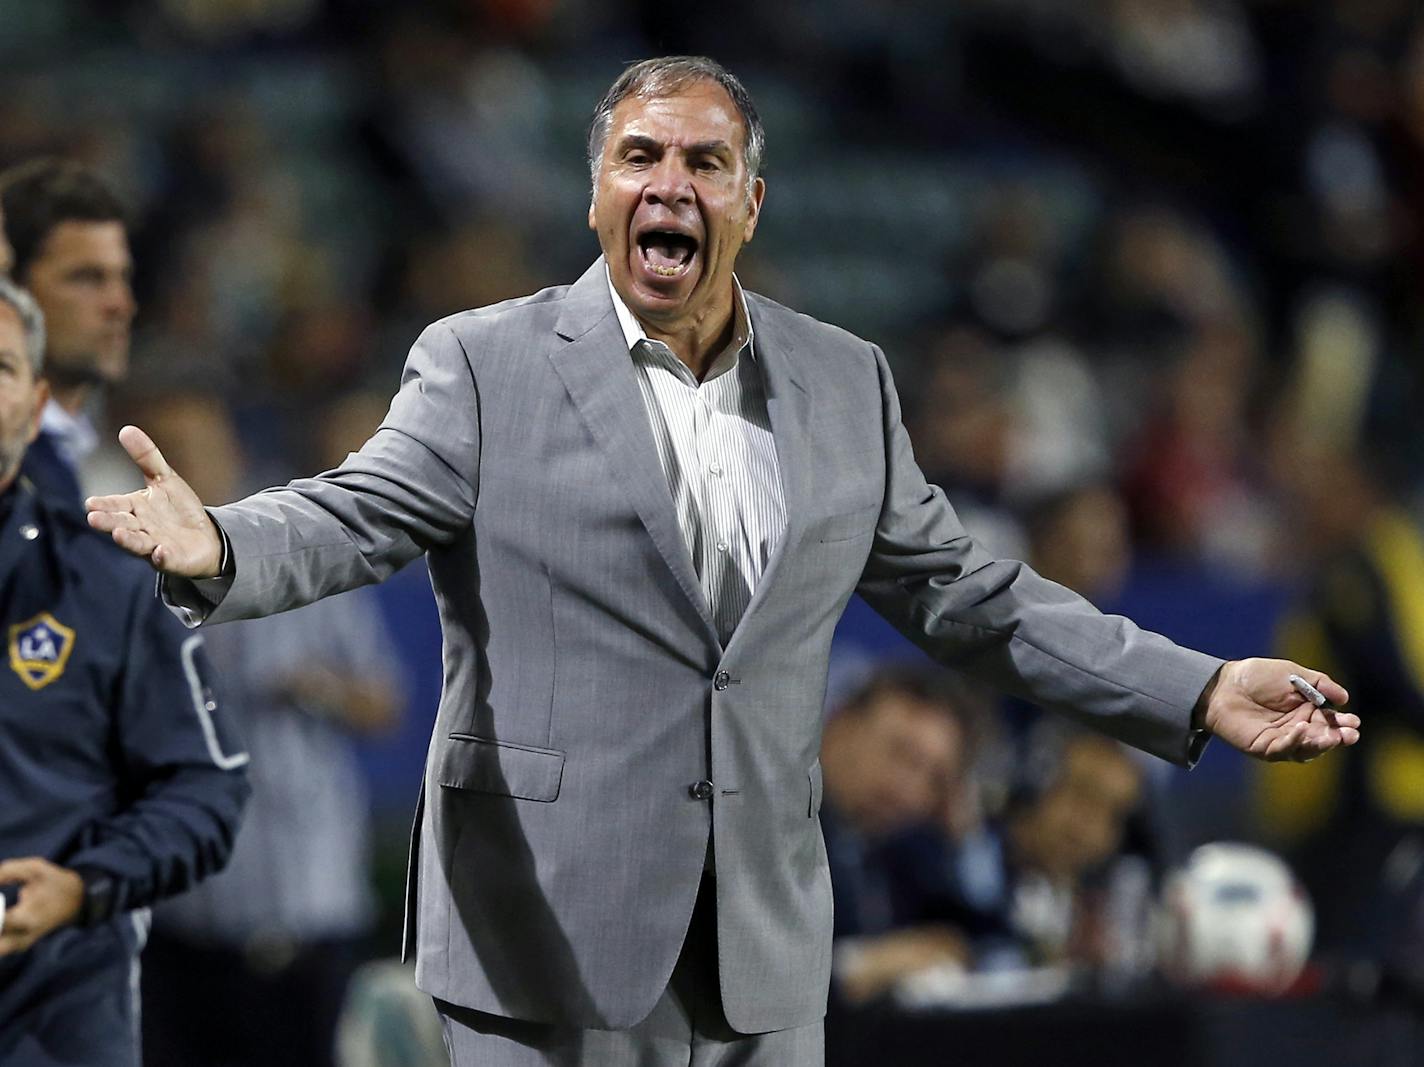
(618, 859)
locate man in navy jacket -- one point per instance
(120, 782)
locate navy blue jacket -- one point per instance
(114, 755)
(51, 475)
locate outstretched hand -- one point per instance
(164, 522)
(1252, 706)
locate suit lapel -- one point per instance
(788, 407)
(597, 371)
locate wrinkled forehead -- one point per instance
(695, 113)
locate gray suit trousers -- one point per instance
(687, 1026)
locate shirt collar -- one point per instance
(742, 333)
(74, 434)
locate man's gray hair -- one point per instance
(31, 319)
(666, 76)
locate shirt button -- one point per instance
(700, 790)
(29, 533)
(721, 680)
(715, 468)
(721, 546)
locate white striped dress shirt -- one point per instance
(715, 445)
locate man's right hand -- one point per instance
(164, 522)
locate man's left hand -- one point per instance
(50, 897)
(1252, 706)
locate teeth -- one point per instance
(666, 272)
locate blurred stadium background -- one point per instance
(1148, 271)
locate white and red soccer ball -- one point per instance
(1235, 919)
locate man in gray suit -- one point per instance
(645, 499)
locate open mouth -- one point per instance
(666, 253)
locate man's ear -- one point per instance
(592, 216)
(754, 200)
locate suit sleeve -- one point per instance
(1006, 625)
(411, 486)
(180, 768)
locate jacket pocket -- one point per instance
(483, 765)
(815, 776)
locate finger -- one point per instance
(1333, 736)
(18, 920)
(1283, 745)
(144, 452)
(109, 521)
(135, 541)
(1339, 719)
(118, 502)
(25, 869)
(1309, 749)
(1333, 690)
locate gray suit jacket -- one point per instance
(559, 845)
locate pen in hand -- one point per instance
(1315, 696)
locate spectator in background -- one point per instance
(1357, 829)
(1079, 538)
(964, 428)
(892, 756)
(1066, 819)
(1040, 878)
(69, 236)
(274, 941)
(1188, 479)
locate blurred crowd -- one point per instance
(1147, 270)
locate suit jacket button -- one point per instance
(700, 790)
(721, 680)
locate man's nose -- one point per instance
(120, 302)
(668, 183)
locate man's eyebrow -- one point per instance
(709, 148)
(633, 141)
(638, 140)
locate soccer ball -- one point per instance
(1234, 919)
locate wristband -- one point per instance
(99, 896)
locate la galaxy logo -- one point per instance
(39, 649)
